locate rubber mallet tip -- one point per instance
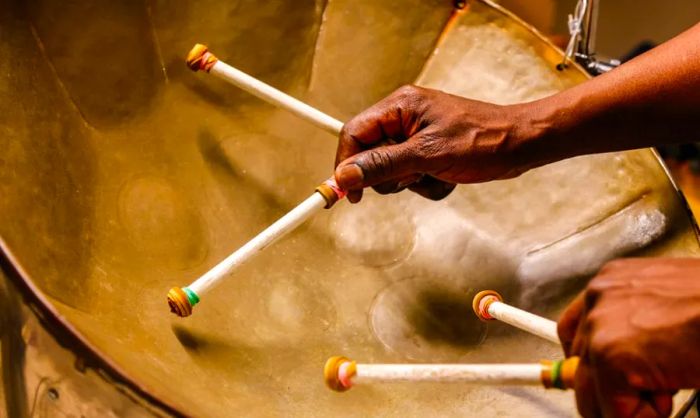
(181, 301)
(200, 58)
(338, 372)
(481, 303)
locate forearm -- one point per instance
(652, 100)
(649, 101)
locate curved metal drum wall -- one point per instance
(124, 174)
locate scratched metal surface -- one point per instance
(124, 174)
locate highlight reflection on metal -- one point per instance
(118, 181)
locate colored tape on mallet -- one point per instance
(340, 373)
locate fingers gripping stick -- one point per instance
(341, 373)
(488, 305)
(182, 300)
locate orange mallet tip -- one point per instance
(199, 58)
(481, 303)
(338, 373)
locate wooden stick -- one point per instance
(182, 300)
(200, 58)
(341, 373)
(484, 374)
(488, 305)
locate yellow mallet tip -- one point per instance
(200, 58)
(480, 303)
(331, 373)
(179, 302)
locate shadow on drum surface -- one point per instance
(126, 174)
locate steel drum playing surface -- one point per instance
(125, 174)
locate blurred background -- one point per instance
(627, 28)
(622, 24)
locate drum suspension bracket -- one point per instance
(581, 47)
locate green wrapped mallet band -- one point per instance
(556, 375)
(191, 296)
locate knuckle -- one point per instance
(606, 346)
(407, 90)
(427, 146)
(410, 94)
(611, 278)
(349, 130)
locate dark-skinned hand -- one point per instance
(427, 141)
(636, 328)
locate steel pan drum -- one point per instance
(124, 174)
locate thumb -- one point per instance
(569, 323)
(378, 165)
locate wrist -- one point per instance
(552, 129)
(532, 134)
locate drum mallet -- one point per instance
(182, 300)
(488, 305)
(200, 58)
(341, 373)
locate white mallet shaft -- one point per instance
(483, 374)
(200, 58)
(182, 300)
(341, 373)
(488, 305)
(280, 228)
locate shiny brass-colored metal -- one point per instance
(123, 172)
